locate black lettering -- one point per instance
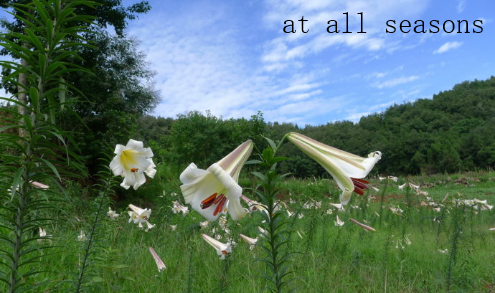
(405, 26)
(453, 26)
(302, 20)
(334, 26)
(291, 25)
(474, 23)
(346, 23)
(391, 26)
(361, 31)
(459, 28)
(432, 25)
(422, 25)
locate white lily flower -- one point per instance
(140, 216)
(401, 187)
(132, 162)
(159, 263)
(251, 241)
(43, 236)
(221, 248)
(173, 227)
(339, 206)
(82, 236)
(178, 208)
(338, 222)
(347, 169)
(215, 190)
(393, 178)
(112, 214)
(362, 225)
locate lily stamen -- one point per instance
(359, 185)
(220, 205)
(206, 203)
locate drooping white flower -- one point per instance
(140, 216)
(82, 236)
(339, 206)
(178, 208)
(112, 214)
(401, 187)
(347, 169)
(159, 263)
(366, 227)
(222, 249)
(215, 190)
(338, 222)
(251, 241)
(132, 162)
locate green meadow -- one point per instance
(423, 243)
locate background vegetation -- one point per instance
(73, 98)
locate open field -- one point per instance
(422, 243)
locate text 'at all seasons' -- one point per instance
(392, 26)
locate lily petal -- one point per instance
(345, 168)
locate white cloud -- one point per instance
(461, 5)
(395, 81)
(447, 46)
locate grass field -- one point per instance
(426, 240)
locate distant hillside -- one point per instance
(453, 131)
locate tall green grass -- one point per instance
(327, 258)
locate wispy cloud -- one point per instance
(447, 47)
(395, 81)
(461, 5)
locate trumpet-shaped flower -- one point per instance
(347, 169)
(112, 214)
(178, 208)
(251, 241)
(132, 162)
(159, 263)
(215, 190)
(339, 222)
(140, 216)
(221, 248)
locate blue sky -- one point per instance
(233, 58)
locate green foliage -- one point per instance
(448, 133)
(203, 139)
(39, 152)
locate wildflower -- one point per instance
(492, 229)
(347, 169)
(221, 248)
(393, 178)
(178, 208)
(159, 263)
(43, 236)
(112, 214)
(173, 227)
(339, 206)
(140, 216)
(251, 241)
(215, 190)
(338, 222)
(262, 231)
(131, 162)
(413, 186)
(444, 251)
(39, 184)
(204, 224)
(401, 187)
(362, 225)
(82, 236)
(329, 211)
